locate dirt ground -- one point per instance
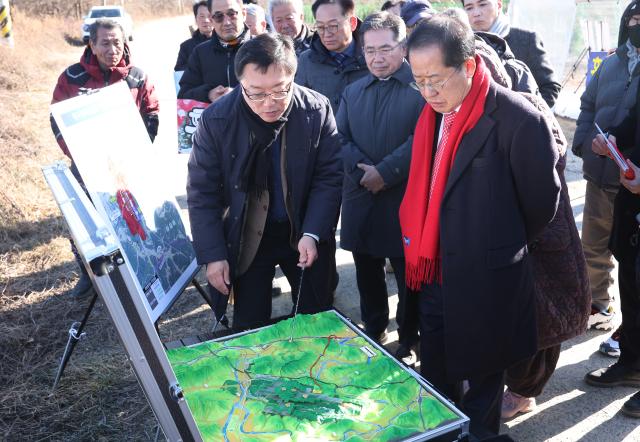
(99, 397)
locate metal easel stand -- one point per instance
(75, 334)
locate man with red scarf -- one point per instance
(482, 184)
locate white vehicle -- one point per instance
(115, 13)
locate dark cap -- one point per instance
(415, 10)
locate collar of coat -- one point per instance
(218, 46)
(402, 75)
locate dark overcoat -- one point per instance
(217, 206)
(501, 192)
(210, 64)
(376, 120)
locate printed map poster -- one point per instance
(312, 378)
(126, 180)
(189, 112)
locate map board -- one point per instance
(316, 379)
(124, 176)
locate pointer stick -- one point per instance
(295, 311)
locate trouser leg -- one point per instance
(372, 286)
(630, 305)
(432, 348)
(528, 377)
(482, 403)
(252, 290)
(596, 230)
(407, 313)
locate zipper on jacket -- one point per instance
(628, 82)
(228, 67)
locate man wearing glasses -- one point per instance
(482, 185)
(209, 74)
(376, 119)
(335, 58)
(264, 185)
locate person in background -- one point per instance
(210, 74)
(256, 20)
(376, 120)
(482, 186)
(287, 18)
(624, 246)
(264, 186)
(487, 16)
(202, 34)
(105, 61)
(392, 6)
(609, 96)
(562, 294)
(414, 12)
(335, 58)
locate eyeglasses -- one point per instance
(277, 95)
(433, 87)
(384, 50)
(218, 17)
(332, 28)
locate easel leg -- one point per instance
(75, 334)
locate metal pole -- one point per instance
(75, 334)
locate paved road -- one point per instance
(568, 410)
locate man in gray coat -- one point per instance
(606, 101)
(376, 119)
(335, 58)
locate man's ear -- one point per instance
(353, 21)
(470, 67)
(91, 46)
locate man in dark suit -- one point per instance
(482, 184)
(376, 120)
(264, 186)
(487, 16)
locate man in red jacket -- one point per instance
(106, 61)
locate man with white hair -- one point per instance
(287, 18)
(256, 20)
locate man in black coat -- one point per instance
(482, 184)
(264, 185)
(210, 73)
(376, 119)
(202, 34)
(624, 246)
(487, 16)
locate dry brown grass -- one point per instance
(99, 397)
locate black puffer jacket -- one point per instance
(210, 65)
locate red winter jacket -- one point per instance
(86, 76)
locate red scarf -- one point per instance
(419, 212)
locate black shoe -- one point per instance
(275, 292)
(406, 355)
(614, 376)
(378, 338)
(82, 287)
(632, 406)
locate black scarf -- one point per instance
(262, 135)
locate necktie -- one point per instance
(340, 58)
(447, 122)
